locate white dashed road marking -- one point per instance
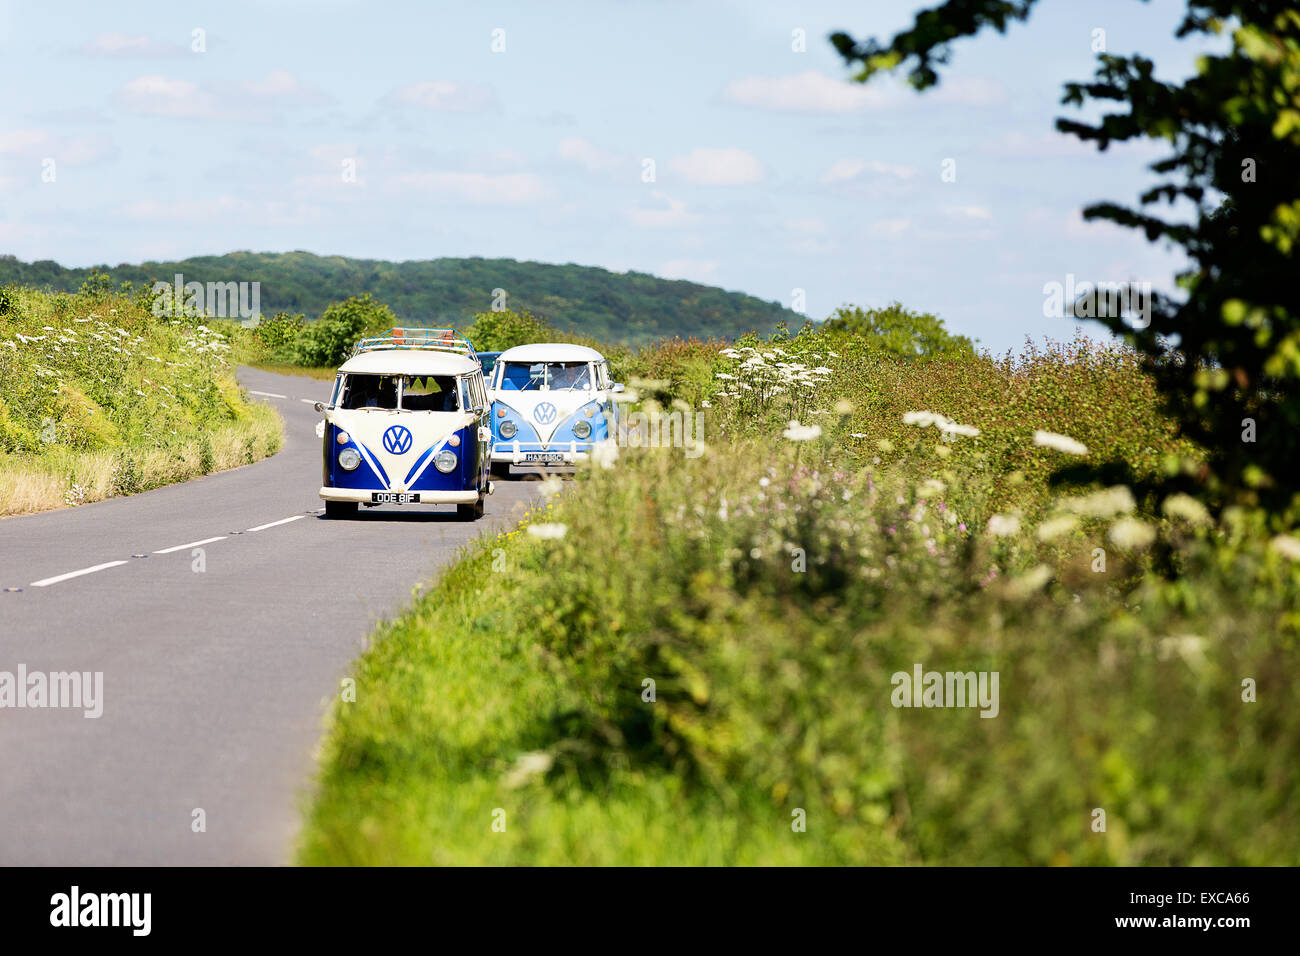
(46, 582)
(272, 524)
(267, 394)
(192, 544)
(309, 401)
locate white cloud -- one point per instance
(478, 188)
(1018, 145)
(694, 270)
(158, 95)
(24, 141)
(810, 92)
(584, 153)
(970, 212)
(843, 170)
(813, 225)
(969, 91)
(674, 213)
(121, 45)
(283, 85)
(707, 166)
(34, 144)
(888, 228)
(445, 95)
(220, 209)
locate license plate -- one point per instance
(545, 459)
(394, 498)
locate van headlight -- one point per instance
(582, 429)
(349, 458)
(445, 461)
(508, 429)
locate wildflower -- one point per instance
(1187, 508)
(843, 407)
(548, 532)
(528, 765)
(1106, 503)
(1190, 647)
(941, 422)
(930, 488)
(551, 486)
(1030, 583)
(1004, 526)
(1061, 443)
(952, 428)
(1286, 546)
(1131, 533)
(1055, 527)
(605, 454)
(797, 432)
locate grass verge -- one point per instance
(100, 397)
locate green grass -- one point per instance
(771, 589)
(324, 372)
(448, 700)
(99, 397)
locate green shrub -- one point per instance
(329, 340)
(279, 332)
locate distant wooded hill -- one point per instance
(614, 307)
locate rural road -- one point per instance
(216, 673)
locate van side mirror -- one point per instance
(319, 406)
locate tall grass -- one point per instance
(99, 397)
(699, 653)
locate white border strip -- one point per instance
(192, 544)
(46, 582)
(272, 524)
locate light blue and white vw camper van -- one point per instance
(407, 425)
(551, 405)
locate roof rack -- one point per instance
(434, 340)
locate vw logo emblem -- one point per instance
(397, 440)
(545, 413)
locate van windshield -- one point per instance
(430, 393)
(370, 391)
(531, 376)
(419, 393)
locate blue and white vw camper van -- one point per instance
(551, 405)
(407, 425)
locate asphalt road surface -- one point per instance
(224, 614)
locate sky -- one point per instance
(697, 140)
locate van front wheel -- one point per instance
(470, 512)
(340, 509)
